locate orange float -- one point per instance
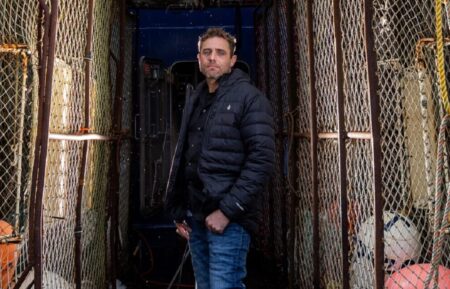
(7, 256)
(415, 276)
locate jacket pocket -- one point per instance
(226, 119)
(210, 204)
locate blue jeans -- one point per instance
(219, 260)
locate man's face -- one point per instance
(214, 58)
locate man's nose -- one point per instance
(212, 56)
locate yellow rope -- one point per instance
(440, 56)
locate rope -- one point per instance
(440, 217)
(440, 57)
(440, 212)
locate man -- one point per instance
(222, 162)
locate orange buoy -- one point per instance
(414, 277)
(7, 256)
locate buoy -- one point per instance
(415, 276)
(7, 255)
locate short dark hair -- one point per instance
(218, 32)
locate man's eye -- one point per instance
(221, 53)
(206, 52)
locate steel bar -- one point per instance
(81, 137)
(339, 58)
(115, 162)
(22, 277)
(42, 59)
(268, 3)
(38, 226)
(314, 149)
(293, 169)
(347, 135)
(279, 102)
(376, 142)
(333, 135)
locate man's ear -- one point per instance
(233, 60)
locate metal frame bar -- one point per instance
(42, 32)
(376, 141)
(267, 4)
(293, 102)
(115, 160)
(314, 149)
(81, 137)
(334, 135)
(38, 226)
(279, 102)
(339, 57)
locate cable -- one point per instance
(186, 253)
(177, 273)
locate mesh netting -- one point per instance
(60, 196)
(101, 100)
(94, 216)
(304, 217)
(360, 207)
(68, 93)
(355, 85)
(329, 225)
(302, 123)
(17, 64)
(13, 124)
(303, 228)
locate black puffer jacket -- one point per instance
(237, 155)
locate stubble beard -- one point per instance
(211, 76)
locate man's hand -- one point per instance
(216, 222)
(183, 229)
